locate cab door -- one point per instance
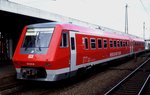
(72, 51)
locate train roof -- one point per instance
(42, 25)
(102, 32)
(106, 32)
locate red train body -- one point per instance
(55, 51)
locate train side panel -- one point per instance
(99, 51)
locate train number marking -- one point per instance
(31, 64)
(115, 53)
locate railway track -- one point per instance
(10, 88)
(136, 83)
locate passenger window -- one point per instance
(123, 44)
(111, 44)
(115, 44)
(99, 43)
(118, 43)
(126, 43)
(93, 43)
(86, 43)
(64, 40)
(105, 43)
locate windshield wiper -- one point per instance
(29, 42)
(38, 40)
(27, 45)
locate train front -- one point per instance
(31, 58)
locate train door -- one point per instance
(72, 51)
(131, 47)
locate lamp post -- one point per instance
(143, 30)
(126, 18)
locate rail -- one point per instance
(115, 88)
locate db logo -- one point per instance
(30, 56)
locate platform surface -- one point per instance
(6, 69)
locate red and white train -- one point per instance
(55, 51)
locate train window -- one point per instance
(115, 44)
(118, 43)
(123, 44)
(99, 43)
(105, 43)
(111, 43)
(64, 40)
(127, 43)
(37, 38)
(93, 43)
(72, 43)
(86, 43)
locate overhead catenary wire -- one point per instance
(145, 9)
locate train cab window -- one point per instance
(99, 43)
(37, 38)
(105, 43)
(86, 43)
(115, 44)
(93, 43)
(64, 40)
(111, 43)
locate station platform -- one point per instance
(7, 72)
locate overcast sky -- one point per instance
(107, 13)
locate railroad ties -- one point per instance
(136, 83)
